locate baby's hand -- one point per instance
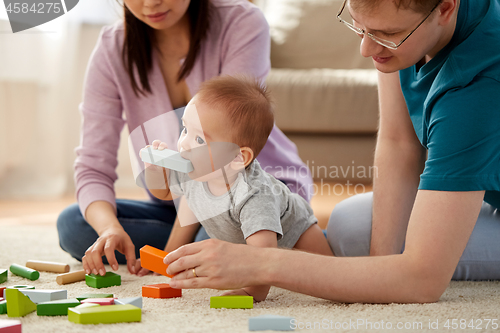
(156, 144)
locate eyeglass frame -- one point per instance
(378, 40)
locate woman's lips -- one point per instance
(381, 60)
(157, 17)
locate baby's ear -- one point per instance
(247, 155)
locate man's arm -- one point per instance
(399, 161)
(439, 228)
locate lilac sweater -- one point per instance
(237, 42)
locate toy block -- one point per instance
(135, 301)
(161, 290)
(270, 322)
(3, 306)
(86, 305)
(16, 287)
(48, 266)
(152, 259)
(24, 272)
(166, 158)
(100, 301)
(108, 280)
(10, 326)
(1, 291)
(85, 296)
(3, 275)
(56, 308)
(40, 296)
(231, 302)
(105, 314)
(71, 277)
(18, 305)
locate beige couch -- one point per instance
(325, 92)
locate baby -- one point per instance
(226, 125)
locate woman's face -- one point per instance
(388, 22)
(158, 14)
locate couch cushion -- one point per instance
(325, 100)
(306, 34)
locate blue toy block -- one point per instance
(135, 301)
(166, 158)
(270, 322)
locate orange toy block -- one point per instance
(152, 259)
(161, 290)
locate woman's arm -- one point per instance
(399, 161)
(438, 231)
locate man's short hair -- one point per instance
(247, 104)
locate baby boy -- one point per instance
(226, 125)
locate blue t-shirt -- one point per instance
(454, 105)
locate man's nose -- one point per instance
(369, 47)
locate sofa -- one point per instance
(325, 92)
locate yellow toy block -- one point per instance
(105, 314)
(18, 305)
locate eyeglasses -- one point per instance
(378, 40)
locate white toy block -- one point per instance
(270, 322)
(17, 287)
(135, 301)
(166, 158)
(40, 295)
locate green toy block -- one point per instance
(85, 296)
(3, 307)
(56, 308)
(3, 275)
(231, 302)
(108, 280)
(105, 314)
(24, 272)
(18, 305)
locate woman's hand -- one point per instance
(218, 265)
(111, 239)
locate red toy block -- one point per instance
(161, 290)
(100, 301)
(10, 326)
(152, 259)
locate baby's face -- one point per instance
(207, 146)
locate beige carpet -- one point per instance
(192, 313)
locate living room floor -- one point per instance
(45, 211)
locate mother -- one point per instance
(439, 91)
(150, 63)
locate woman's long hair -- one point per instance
(140, 40)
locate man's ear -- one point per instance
(247, 155)
(446, 10)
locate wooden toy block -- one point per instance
(48, 266)
(135, 301)
(152, 259)
(56, 308)
(40, 295)
(86, 305)
(161, 290)
(166, 158)
(105, 314)
(24, 272)
(270, 322)
(100, 301)
(10, 326)
(108, 280)
(16, 287)
(3, 275)
(85, 296)
(71, 277)
(18, 305)
(3, 307)
(1, 291)
(231, 302)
